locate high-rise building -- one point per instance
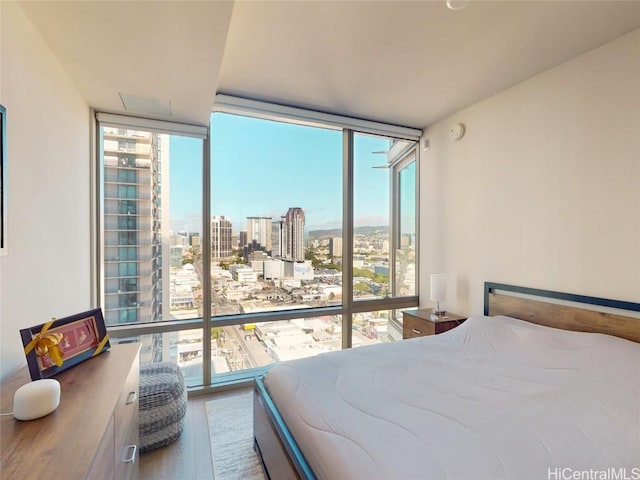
(221, 245)
(135, 180)
(277, 238)
(294, 234)
(259, 229)
(242, 238)
(179, 238)
(335, 247)
(194, 240)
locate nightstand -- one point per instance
(419, 322)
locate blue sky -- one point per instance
(262, 168)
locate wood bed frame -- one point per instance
(281, 456)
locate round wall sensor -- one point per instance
(456, 132)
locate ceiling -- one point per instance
(406, 63)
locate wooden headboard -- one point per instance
(564, 310)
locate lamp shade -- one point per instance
(438, 287)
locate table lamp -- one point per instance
(438, 291)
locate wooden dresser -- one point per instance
(94, 432)
(421, 322)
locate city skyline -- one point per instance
(262, 168)
(153, 270)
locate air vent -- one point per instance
(146, 105)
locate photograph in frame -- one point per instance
(62, 343)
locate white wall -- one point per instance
(543, 190)
(47, 270)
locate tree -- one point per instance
(332, 266)
(362, 272)
(381, 278)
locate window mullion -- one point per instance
(206, 260)
(347, 236)
(394, 226)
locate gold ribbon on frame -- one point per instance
(101, 345)
(47, 344)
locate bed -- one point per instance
(500, 396)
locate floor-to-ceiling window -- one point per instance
(278, 186)
(384, 234)
(150, 189)
(271, 236)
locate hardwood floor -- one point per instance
(189, 457)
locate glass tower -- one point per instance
(294, 233)
(133, 253)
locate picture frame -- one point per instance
(3, 180)
(75, 338)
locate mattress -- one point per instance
(495, 398)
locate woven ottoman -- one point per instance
(162, 405)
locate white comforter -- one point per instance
(493, 398)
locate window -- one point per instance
(405, 242)
(127, 238)
(129, 315)
(127, 191)
(127, 176)
(127, 223)
(381, 326)
(128, 269)
(128, 285)
(272, 224)
(127, 253)
(128, 300)
(127, 206)
(294, 234)
(126, 160)
(259, 344)
(150, 246)
(126, 144)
